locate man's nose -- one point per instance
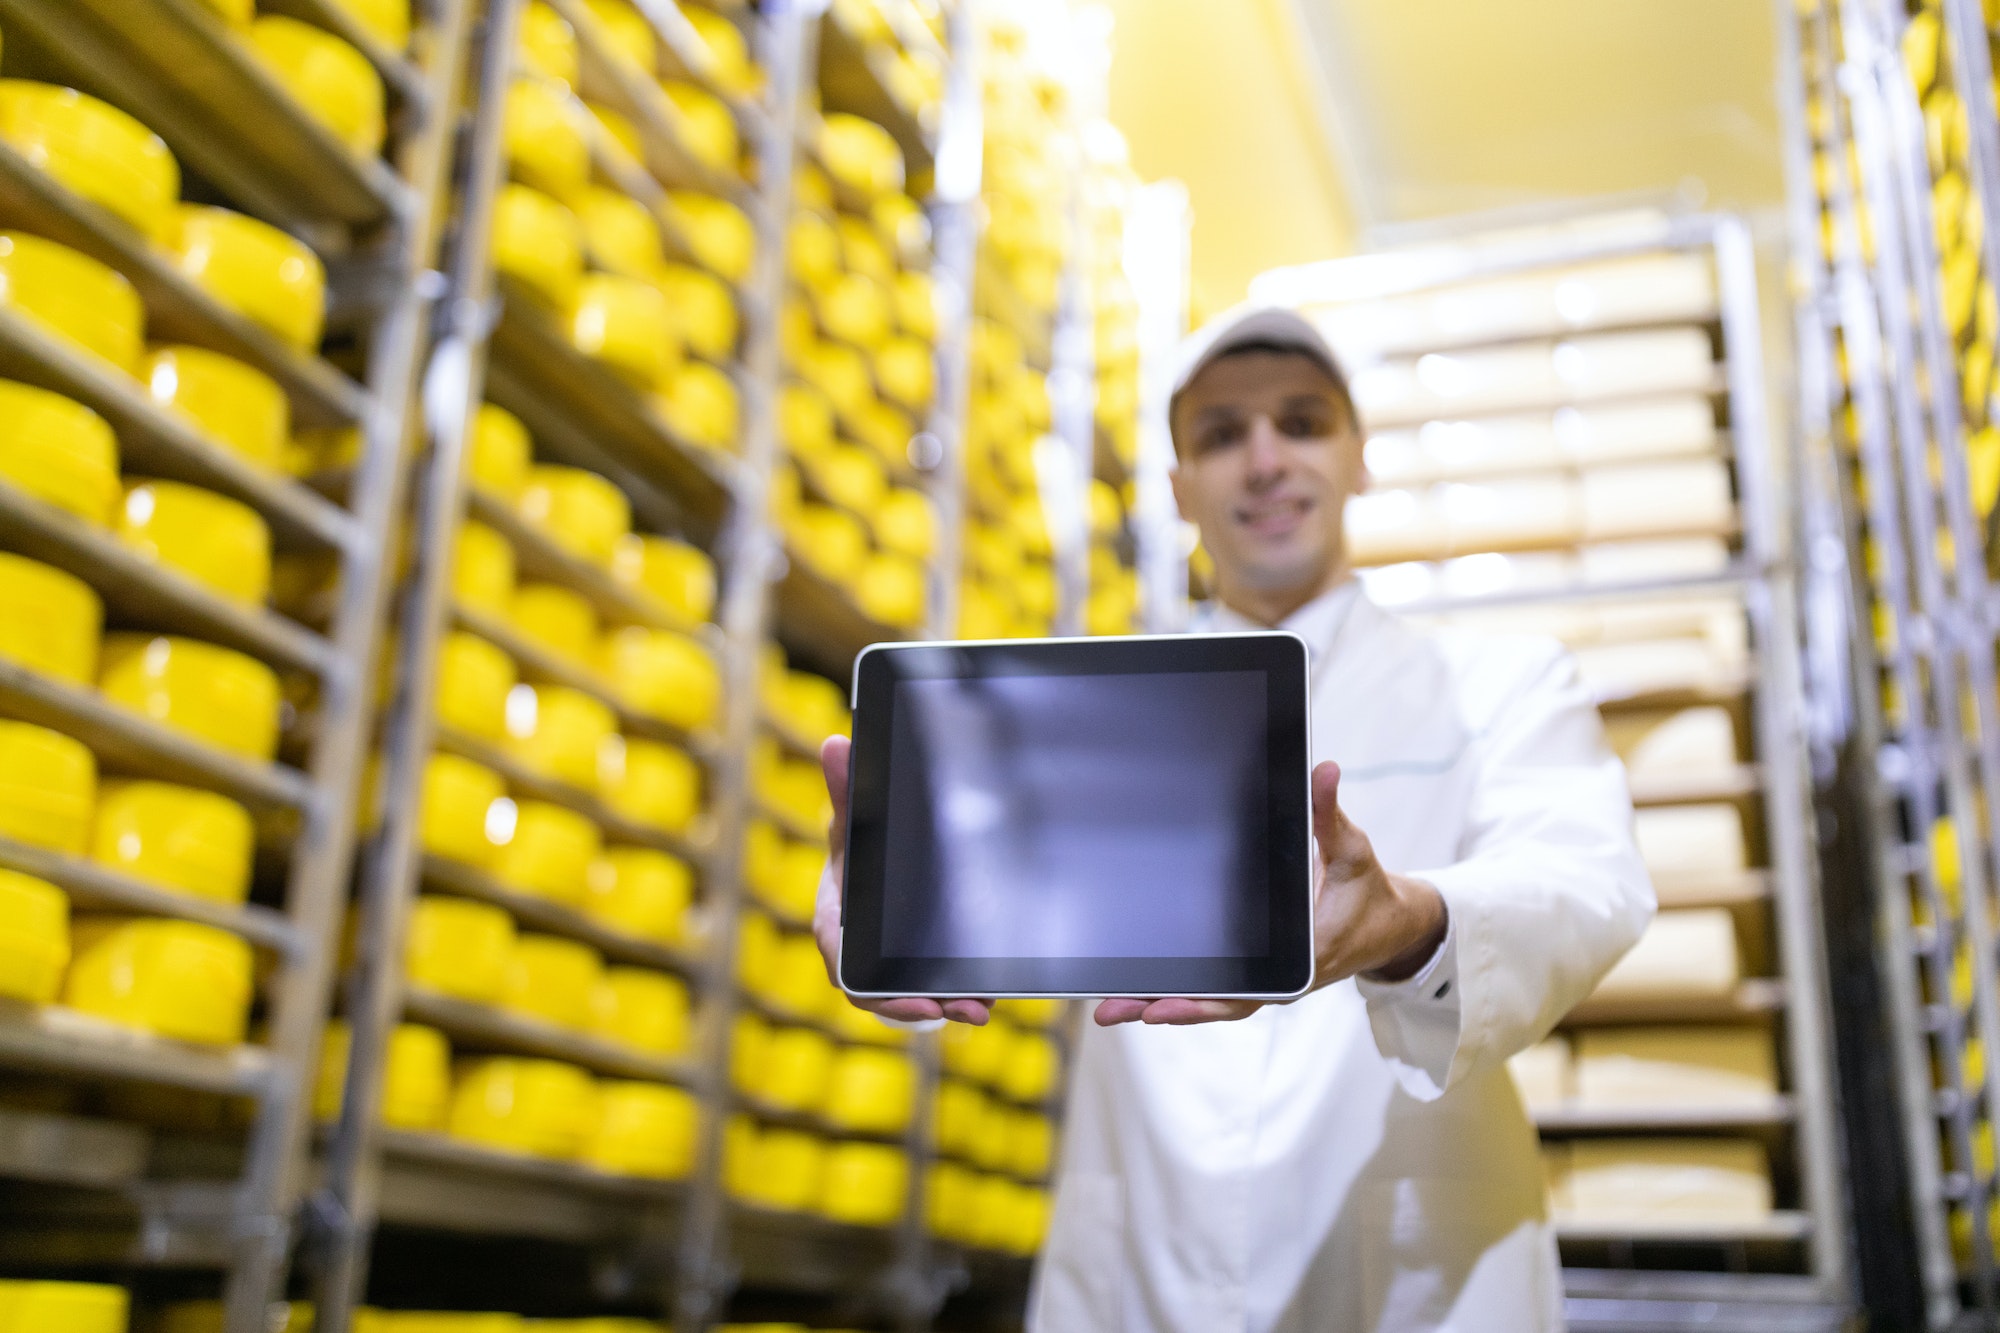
(1267, 455)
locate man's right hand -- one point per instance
(826, 913)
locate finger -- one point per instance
(1181, 1013)
(833, 752)
(1328, 822)
(974, 1012)
(907, 1010)
(826, 929)
(1110, 1013)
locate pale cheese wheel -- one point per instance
(1646, 289)
(1659, 559)
(1492, 574)
(1656, 499)
(1441, 384)
(1668, 1181)
(1616, 365)
(1396, 458)
(1519, 307)
(1651, 666)
(1511, 515)
(1675, 1066)
(1683, 842)
(1386, 526)
(1399, 584)
(1616, 432)
(1686, 953)
(1688, 742)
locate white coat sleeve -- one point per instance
(1548, 891)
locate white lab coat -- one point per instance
(1359, 1160)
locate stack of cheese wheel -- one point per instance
(643, 284)
(580, 533)
(1007, 585)
(905, 56)
(858, 331)
(1970, 307)
(819, 1057)
(1551, 434)
(1112, 602)
(474, 953)
(176, 978)
(992, 1129)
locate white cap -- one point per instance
(1252, 323)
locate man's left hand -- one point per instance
(1366, 921)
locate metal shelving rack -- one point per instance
(1157, 243)
(688, 1239)
(682, 1246)
(1884, 433)
(1641, 1271)
(173, 65)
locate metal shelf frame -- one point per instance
(175, 66)
(494, 343)
(1936, 754)
(1765, 581)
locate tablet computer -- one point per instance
(1103, 816)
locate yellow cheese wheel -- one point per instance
(60, 452)
(176, 979)
(707, 126)
(217, 695)
(73, 296)
(544, 135)
(333, 82)
(254, 268)
(95, 151)
(547, 44)
(539, 243)
(221, 543)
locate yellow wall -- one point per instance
(1296, 124)
(1205, 92)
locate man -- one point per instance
(1356, 1159)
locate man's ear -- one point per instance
(1175, 478)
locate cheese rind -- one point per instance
(1675, 1066)
(1719, 1181)
(1686, 953)
(1683, 842)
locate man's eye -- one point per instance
(1221, 437)
(1302, 426)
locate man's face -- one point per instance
(1269, 453)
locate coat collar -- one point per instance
(1319, 622)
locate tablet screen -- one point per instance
(1077, 817)
(1083, 816)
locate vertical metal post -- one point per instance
(1840, 676)
(1914, 761)
(955, 221)
(347, 1202)
(1157, 242)
(1771, 602)
(789, 32)
(916, 1291)
(1066, 467)
(277, 1158)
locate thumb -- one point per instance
(1328, 822)
(833, 752)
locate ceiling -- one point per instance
(1300, 125)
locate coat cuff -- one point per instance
(1416, 1021)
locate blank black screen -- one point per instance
(1088, 816)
